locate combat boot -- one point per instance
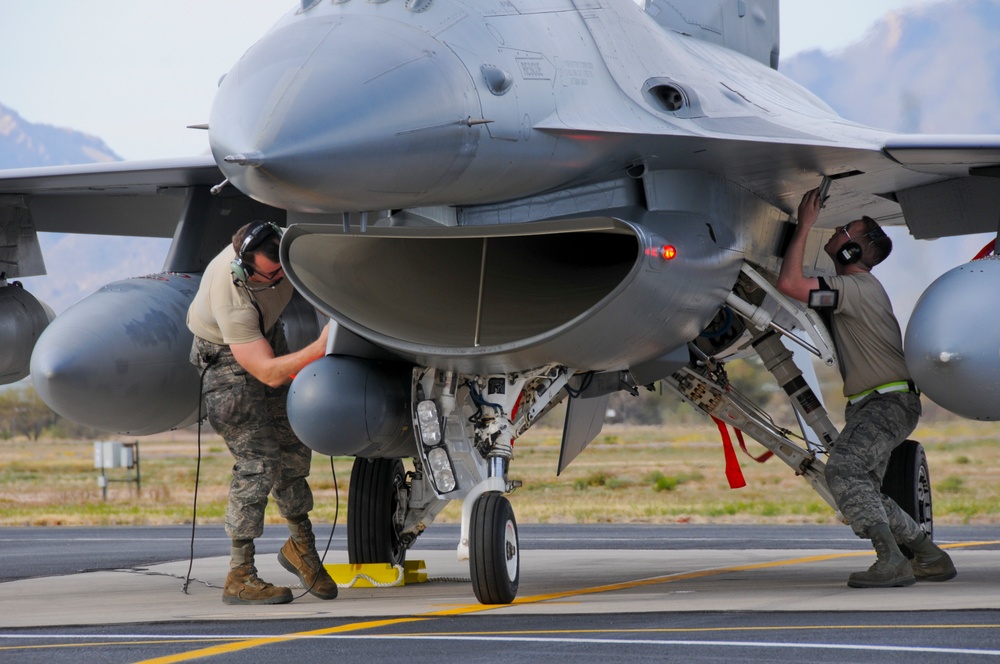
(299, 557)
(891, 568)
(244, 587)
(930, 562)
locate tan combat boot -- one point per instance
(243, 586)
(891, 568)
(299, 557)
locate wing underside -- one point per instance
(938, 186)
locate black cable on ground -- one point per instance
(197, 477)
(336, 516)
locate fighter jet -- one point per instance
(503, 205)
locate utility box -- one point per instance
(107, 454)
(115, 454)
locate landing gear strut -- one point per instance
(466, 426)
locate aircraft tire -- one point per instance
(373, 501)
(907, 480)
(494, 552)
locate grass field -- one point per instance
(665, 474)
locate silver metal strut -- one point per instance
(705, 387)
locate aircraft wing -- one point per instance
(940, 182)
(137, 198)
(937, 185)
(955, 204)
(752, 126)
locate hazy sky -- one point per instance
(137, 72)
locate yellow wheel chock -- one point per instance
(377, 575)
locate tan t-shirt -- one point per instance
(223, 313)
(866, 333)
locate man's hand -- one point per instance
(791, 280)
(809, 209)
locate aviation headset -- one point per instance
(852, 252)
(255, 236)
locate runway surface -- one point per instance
(587, 593)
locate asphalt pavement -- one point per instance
(61, 582)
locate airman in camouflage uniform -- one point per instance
(246, 366)
(251, 417)
(883, 404)
(875, 426)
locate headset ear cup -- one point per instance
(256, 234)
(241, 271)
(850, 253)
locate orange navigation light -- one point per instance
(668, 252)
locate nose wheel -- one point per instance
(494, 553)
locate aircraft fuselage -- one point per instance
(373, 106)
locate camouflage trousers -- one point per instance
(860, 455)
(252, 419)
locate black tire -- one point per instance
(907, 480)
(374, 512)
(494, 553)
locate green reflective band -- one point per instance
(898, 386)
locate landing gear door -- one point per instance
(584, 420)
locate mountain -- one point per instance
(77, 265)
(23, 144)
(930, 68)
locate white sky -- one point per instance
(137, 72)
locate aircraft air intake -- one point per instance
(490, 296)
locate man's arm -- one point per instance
(791, 280)
(258, 358)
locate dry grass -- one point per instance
(668, 474)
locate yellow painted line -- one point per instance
(227, 648)
(656, 580)
(961, 545)
(533, 599)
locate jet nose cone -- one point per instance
(344, 113)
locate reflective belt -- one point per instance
(898, 386)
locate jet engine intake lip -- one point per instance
(386, 284)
